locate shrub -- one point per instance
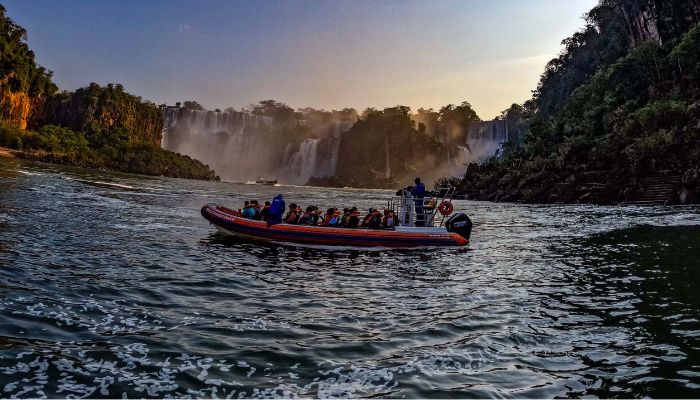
(10, 137)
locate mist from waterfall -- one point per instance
(301, 165)
(317, 157)
(239, 147)
(226, 141)
(484, 139)
(244, 145)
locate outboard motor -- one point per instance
(460, 224)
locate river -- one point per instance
(113, 285)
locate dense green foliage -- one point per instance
(96, 111)
(57, 144)
(95, 127)
(18, 71)
(362, 158)
(619, 103)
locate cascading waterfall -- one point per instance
(315, 157)
(339, 127)
(226, 141)
(301, 166)
(238, 146)
(485, 139)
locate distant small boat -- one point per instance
(261, 181)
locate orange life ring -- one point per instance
(445, 208)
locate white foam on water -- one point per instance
(335, 379)
(113, 320)
(30, 173)
(118, 185)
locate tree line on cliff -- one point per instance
(620, 103)
(95, 126)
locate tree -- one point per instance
(192, 105)
(456, 120)
(282, 113)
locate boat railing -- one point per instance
(403, 206)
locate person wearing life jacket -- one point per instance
(315, 216)
(276, 210)
(249, 210)
(365, 221)
(306, 216)
(264, 212)
(256, 209)
(353, 221)
(332, 218)
(293, 215)
(373, 219)
(310, 217)
(344, 218)
(418, 194)
(389, 221)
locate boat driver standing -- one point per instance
(418, 193)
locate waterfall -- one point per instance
(485, 139)
(302, 164)
(340, 127)
(241, 146)
(315, 157)
(226, 141)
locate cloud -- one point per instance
(182, 27)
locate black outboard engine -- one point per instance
(460, 224)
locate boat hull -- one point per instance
(231, 222)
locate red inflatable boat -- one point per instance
(232, 222)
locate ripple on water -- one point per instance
(114, 285)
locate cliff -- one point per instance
(615, 118)
(97, 110)
(15, 107)
(24, 85)
(93, 127)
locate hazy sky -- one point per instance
(323, 54)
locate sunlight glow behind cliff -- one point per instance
(317, 54)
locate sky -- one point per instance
(326, 54)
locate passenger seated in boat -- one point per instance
(265, 212)
(257, 209)
(353, 219)
(293, 215)
(276, 210)
(310, 217)
(373, 220)
(344, 218)
(332, 218)
(249, 210)
(316, 216)
(389, 220)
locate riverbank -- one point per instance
(6, 153)
(141, 160)
(578, 184)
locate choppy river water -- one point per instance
(113, 285)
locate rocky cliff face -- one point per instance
(15, 108)
(641, 17)
(96, 110)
